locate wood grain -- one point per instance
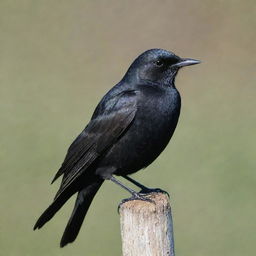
(147, 228)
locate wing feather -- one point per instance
(98, 136)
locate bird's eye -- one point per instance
(159, 63)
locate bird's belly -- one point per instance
(142, 143)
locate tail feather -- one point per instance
(53, 208)
(82, 204)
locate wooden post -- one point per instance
(147, 228)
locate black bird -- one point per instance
(129, 128)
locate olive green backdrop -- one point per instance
(58, 58)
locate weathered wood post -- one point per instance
(147, 228)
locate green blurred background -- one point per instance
(58, 58)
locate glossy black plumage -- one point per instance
(130, 127)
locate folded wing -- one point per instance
(111, 119)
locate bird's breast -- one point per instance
(155, 121)
(157, 117)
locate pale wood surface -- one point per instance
(147, 228)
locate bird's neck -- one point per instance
(132, 77)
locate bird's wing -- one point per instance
(113, 117)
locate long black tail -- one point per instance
(54, 207)
(82, 204)
(83, 201)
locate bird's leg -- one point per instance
(135, 195)
(144, 189)
(112, 178)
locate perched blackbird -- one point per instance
(128, 130)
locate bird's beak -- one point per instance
(187, 62)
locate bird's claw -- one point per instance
(146, 191)
(136, 196)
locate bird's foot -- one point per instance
(146, 191)
(136, 196)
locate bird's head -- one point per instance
(158, 66)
